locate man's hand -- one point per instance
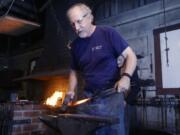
(129, 66)
(123, 84)
(68, 98)
(70, 94)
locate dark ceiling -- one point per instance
(33, 11)
(29, 10)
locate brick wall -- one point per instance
(26, 120)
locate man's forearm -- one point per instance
(128, 68)
(131, 62)
(72, 81)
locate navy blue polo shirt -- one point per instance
(96, 57)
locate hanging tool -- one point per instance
(165, 31)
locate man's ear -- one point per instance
(92, 18)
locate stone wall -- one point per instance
(137, 26)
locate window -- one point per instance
(167, 63)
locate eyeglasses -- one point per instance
(79, 21)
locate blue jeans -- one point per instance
(110, 106)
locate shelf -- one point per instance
(45, 75)
(10, 25)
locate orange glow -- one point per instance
(55, 99)
(79, 102)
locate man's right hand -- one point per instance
(67, 100)
(68, 97)
(70, 94)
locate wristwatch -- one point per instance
(127, 74)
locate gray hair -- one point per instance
(80, 5)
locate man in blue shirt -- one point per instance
(98, 54)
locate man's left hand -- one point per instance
(123, 84)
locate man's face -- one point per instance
(80, 21)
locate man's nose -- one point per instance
(76, 26)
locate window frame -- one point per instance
(158, 66)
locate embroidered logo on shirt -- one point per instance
(98, 47)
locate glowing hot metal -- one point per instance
(79, 102)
